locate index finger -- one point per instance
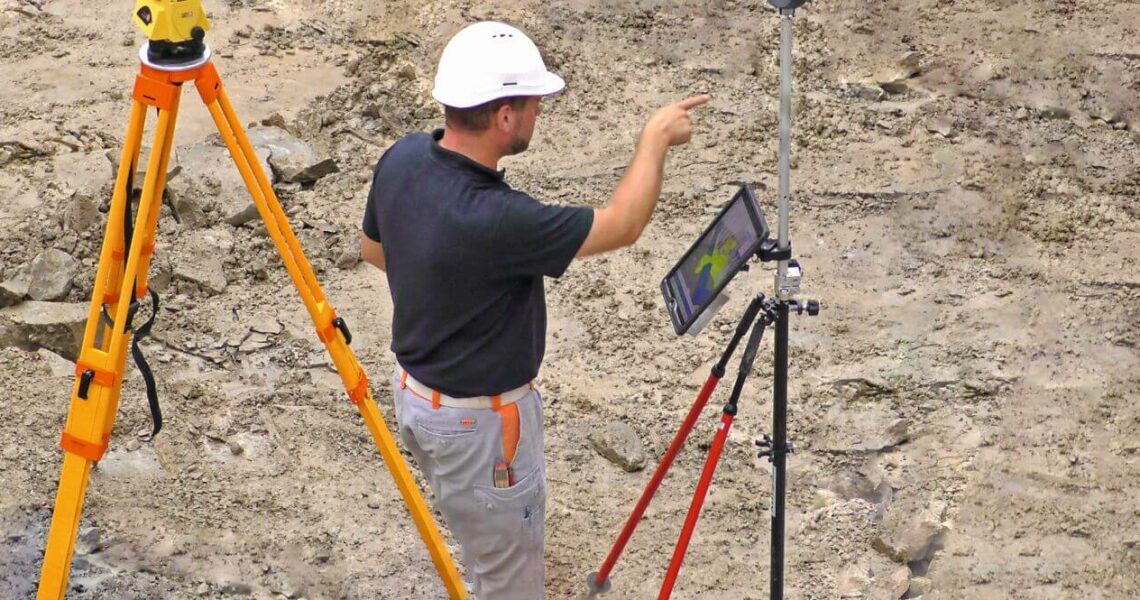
(694, 102)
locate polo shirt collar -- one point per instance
(461, 161)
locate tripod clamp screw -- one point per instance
(767, 443)
(811, 307)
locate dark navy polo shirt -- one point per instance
(466, 256)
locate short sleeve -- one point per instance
(371, 225)
(532, 238)
(371, 222)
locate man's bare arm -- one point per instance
(621, 222)
(372, 252)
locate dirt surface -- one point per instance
(966, 408)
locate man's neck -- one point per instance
(471, 146)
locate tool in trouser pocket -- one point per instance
(500, 530)
(121, 282)
(502, 476)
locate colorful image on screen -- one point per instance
(715, 258)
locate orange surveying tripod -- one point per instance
(174, 55)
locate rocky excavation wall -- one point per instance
(965, 409)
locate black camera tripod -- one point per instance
(761, 313)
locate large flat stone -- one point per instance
(57, 326)
(209, 188)
(293, 160)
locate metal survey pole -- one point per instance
(785, 159)
(787, 286)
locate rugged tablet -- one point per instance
(723, 249)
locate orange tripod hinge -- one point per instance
(209, 83)
(358, 393)
(99, 375)
(157, 93)
(327, 333)
(146, 250)
(159, 88)
(92, 451)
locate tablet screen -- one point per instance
(725, 246)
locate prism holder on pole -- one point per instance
(761, 313)
(176, 54)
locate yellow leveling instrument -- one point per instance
(176, 54)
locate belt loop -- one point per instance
(496, 403)
(404, 381)
(435, 399)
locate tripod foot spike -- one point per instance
(595, 587)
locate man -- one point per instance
(465, 257)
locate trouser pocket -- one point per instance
(508, 555)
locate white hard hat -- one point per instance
(490, 60)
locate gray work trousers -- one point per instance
(501, 530)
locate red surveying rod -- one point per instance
(599, 581)
(729, 413)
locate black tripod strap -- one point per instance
(144, 368)
(144, 329)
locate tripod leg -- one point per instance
(779, 452)
(729, 414)
(695, 506)
(95, 396)
(325, 319)
(598, 582)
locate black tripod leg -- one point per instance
(779, 449)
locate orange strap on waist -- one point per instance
(509, 415)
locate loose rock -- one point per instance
(893, 80)
(942, 126)
(53, 325)
(896, 582)
(237, 589)
(619, 444)
(860, 430)
(90, 541)
(58, 365)
(348, 259)
(919, 586)
(86, 173)
(13, 291)
(81, 212)
(907, 538)
(51, 275)
(293, 160)
(200, 262)
(211, 181)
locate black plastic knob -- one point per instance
(782, 4)
(813, 307)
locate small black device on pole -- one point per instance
(693, 291)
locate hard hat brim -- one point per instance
(546, 85)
